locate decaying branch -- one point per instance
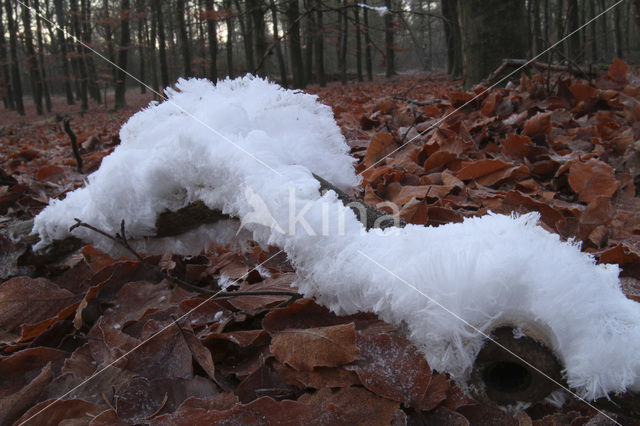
(542, 66)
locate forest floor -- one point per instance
(569, 152)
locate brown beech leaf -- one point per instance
(539, 124)
(481, 168)
(516, 146)
(359, 406)
(165, 355)
(136, 400)
(592, 179)
(304, 349)
(444, 416)
(438, 159)
(618, 71)
(304, 313)
(29, 306)
(61, 412)
(25, 375)
(390, 366)
(264, 410)
(265, 381)
(318, 378)
(137, 298)
(381, 144)
(510, 174)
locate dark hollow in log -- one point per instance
(501, 378)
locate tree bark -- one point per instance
(356, 16)
(123, 52)
(485, 25)
(276, 39)
(80, 61)
(453, 37)
(213, 40)
(162, 44)
(293, 15)
(257, 12)
(367, 45)
(575, 49)
(151, 52)
(41, 65)
(617, 14)
(319, 47)
(345, 44)
(140, 6)
(605, 33)
(32, 59)
(13, 51)
(94, 89)
(229, 45)
(388, 41)
(309, 36)
(4, 68)
(184, 39)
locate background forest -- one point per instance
(296, 43)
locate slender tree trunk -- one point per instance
(547, 23)
(94, 89)
(594, 38)
(151, 51)
(63, 51)
(162, 44)
(276, 39)
(13, 51)
(574, 23)
(388, 41)
(229, 45)
(247, 35)
(82, 69)
(140, 9)
(41, 64)
(452, 35)
(310, 28)
(293, 13)
(367, 45)
(343, 49)
(200, 17)
(213, 40)
(259, 31)
(486, 24)
(560, 28)
(319, 46)
(605, 33)
(617, 14)
(4, 63)
(108, 30)
(123, 51)
(184, 39)
(537, 28)
(356, 16)
(32, 59)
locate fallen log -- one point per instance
(542, 66)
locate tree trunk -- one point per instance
(293, 13)
(257, 13)
(276, 39)
(82, 69)
(4, 68)
(537, 28)
(367, 45)
(388, 41)
(485, 25)
(13, 50)
(605, 33)
(560, 29)
(310, 28)
(123, 50)
(345, 44)
(213, 40)
(319, 47)
(184, 39)
(575, 53)
(94, 89)
(151, 52)
(41, 65)
(356, 16)
(32, 59)
(594, 38)
(229, 45)
(140, 9)
(108, 30)
(162, 44)
(453, 37)
(617, 14)
(247, 35)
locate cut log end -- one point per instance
(506, 377)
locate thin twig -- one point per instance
(74, 142)
(419, 103)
